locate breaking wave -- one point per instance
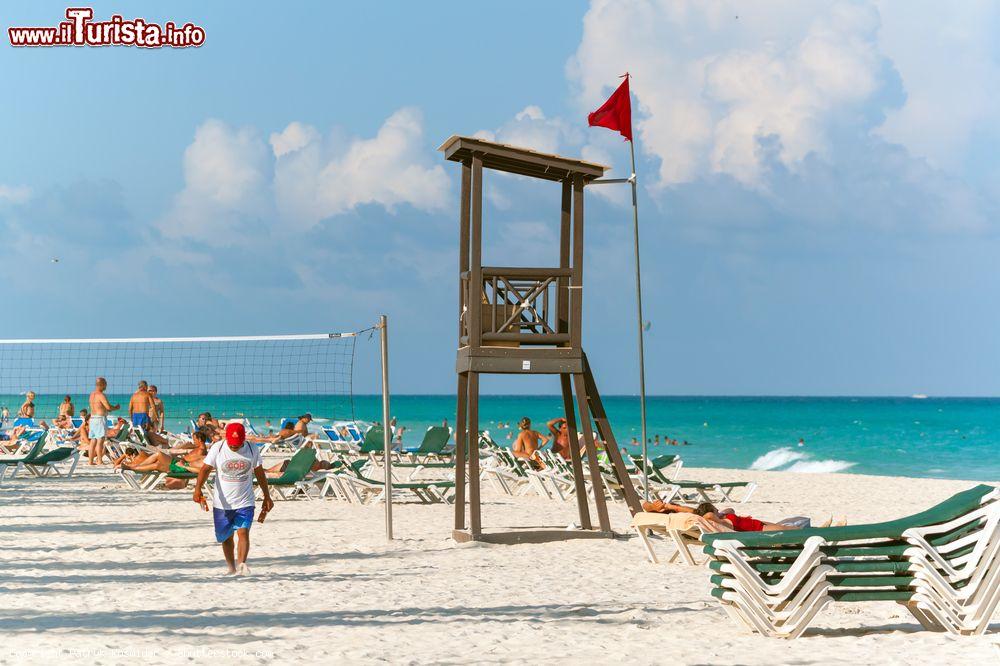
(776, 458)
(797, 461)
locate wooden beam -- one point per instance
(576, 281)
(461, 440)
(463, 241)
(610, 444)
(574, 452)
(596, 482)
(475, 514)
(562, 297)
(475, 299)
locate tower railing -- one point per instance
(518, 305)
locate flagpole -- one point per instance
(638, 300)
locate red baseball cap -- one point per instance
(236, 434)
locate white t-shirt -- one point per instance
(233, 474)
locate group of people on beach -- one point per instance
(213, 445)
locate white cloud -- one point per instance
(236, 185)
(14, 194)
(946, 55)
(317, 179)
(530, 128)
(294, 137)
(226, 180)
(713, 78)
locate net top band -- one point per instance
(225, 338)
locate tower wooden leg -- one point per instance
(604, 428)
(588, 438)
(475, 521)
(574, 449)
(460, 449)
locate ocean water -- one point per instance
(955, 438)
(935, 437)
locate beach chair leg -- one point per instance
(75, 460)
(925, 620)
(650, 553)
(751, 487)
(128, 477)
(682, 547)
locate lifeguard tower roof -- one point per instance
(521, 161)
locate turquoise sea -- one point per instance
(933, 437)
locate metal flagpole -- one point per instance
(383, 325)
(642, 351)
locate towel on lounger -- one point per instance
(682, 522)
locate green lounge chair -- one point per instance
(425, 491)
(146, 481)
(47, 464)
(435, 440)
(289, 484)
(27, 450)
(943, 564)
(668, 489)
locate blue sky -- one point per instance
(818, 209)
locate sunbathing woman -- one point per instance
(162, 462)
(726, 518)
(9, 440)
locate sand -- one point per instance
(91, 571)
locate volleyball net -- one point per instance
(262, 378)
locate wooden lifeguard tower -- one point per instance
(528, 321)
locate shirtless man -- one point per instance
(98, 425)
(528, 442)
(159, 414)
(140, 406)
(66, 407)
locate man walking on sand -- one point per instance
(237, 462)
(98, 425)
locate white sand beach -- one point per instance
(91, 571)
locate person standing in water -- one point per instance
(237, 462)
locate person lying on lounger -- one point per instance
(206, 421)
(9, 440)
(162, 462)
(726, 518)
(275, 471)
(287, 430)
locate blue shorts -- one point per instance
(24, 421)
(227, 521)
(139, 419)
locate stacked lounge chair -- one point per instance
(943, 564)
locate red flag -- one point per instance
(616, 113)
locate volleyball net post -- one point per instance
(383, 326)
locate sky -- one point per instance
(819, 183)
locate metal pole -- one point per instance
(383, 325)
(642, 353)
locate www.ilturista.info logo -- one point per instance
(80, 30)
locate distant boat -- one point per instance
(918, 396)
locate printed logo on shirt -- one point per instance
(236, 466)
